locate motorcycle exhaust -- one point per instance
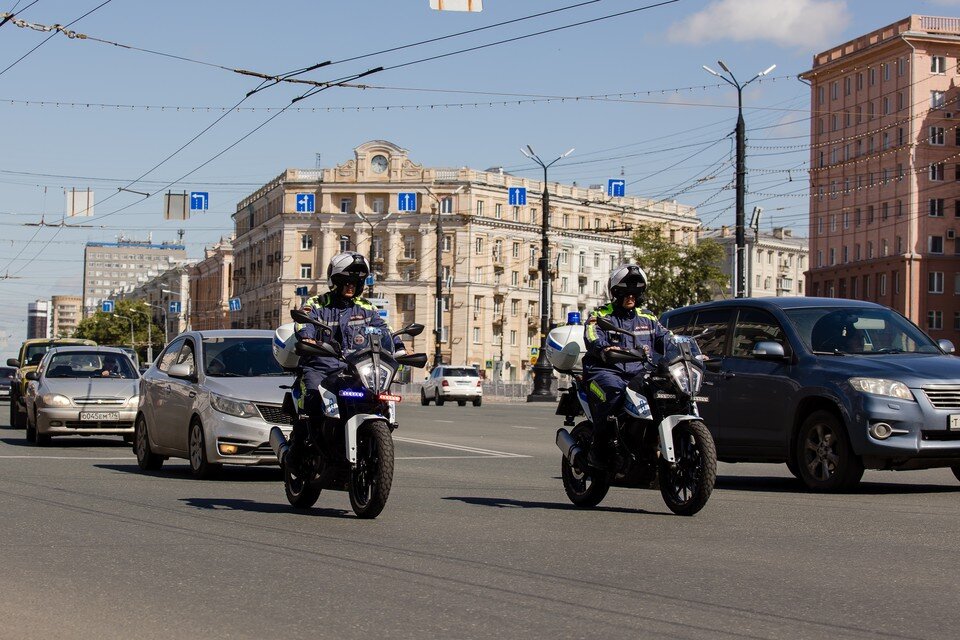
(569, 447)
(278, 442)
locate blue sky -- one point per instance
(666, 133)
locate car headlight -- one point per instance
(55, 400)
(230, 406)
(366, 371)
(882, 387)
(133, 403)
(688, 378)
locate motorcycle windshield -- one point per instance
(366, 337)
(376, 373)
(672, 349)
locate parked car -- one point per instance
(829, 386)
(6, 382)
(212, 398)
(81, 391)
(31, 352)
(447, 382)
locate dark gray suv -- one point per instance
(829, 386)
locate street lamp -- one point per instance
(740, 281)
(541, 371)
(117, 315)
(371, 224)
(438, 263)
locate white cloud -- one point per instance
(811, 24)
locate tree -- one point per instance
(678, 274)
(109, 329)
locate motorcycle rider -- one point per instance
(348, 314)
(605, 382)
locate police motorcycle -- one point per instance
(350, 448)
(660, 440)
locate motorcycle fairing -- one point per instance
(330, 407)
(584, 403)
(350, 432)
(637, 406)
(666, 435)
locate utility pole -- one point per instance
(438, 266)
(542, 372)
(740, 282)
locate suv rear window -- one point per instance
(460, 372)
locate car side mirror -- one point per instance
(946, 346)
(32, 375)
(768, 350)
(182, 371)
(13, 362)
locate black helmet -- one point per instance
(348, 267)
(626, 279)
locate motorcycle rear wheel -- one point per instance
(686, 486)
(301, 493)
(583, 489)
(372, 478)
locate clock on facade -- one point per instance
(378, 163)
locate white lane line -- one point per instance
(517, 426)
(484, 457)
(446, 421)
(64, 458)
(456, 447)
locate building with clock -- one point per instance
(488, 248)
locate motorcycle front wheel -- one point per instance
(686, 486)
(301, 492)
(372, 478)
(586, 488)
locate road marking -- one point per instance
(65, 458)
(456, 447)
(446, 421)
(483, 457)
(517, 426)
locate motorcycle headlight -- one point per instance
(367, 371)
(55, 400)
(882, 387)
(688, 378)
(230, 406)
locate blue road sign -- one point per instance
(616, 188)
(174, 306)
(234, 304)
(106, 306)
(305, 203)
(517, 196)
(199, 200)
(303, 291)
(407, 201)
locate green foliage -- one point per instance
(113, 329)
(678, 274)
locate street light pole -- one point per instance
(117, 315)
(542, 373)
(370, 293)
(438, 268)
(740, 281)
(149, 331)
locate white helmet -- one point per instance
(627, 278)
(284, 346)
(345, 267)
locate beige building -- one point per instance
(210, 292)
(116, 266)
(488, 248)
(885, 196)
(173, 285)
(776, 261)
(66, 313)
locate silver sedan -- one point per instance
(212, 398)
(81, 391)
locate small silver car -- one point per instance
(212, 398)
(81, 391)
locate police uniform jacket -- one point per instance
(646, 334)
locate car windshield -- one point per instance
(90, 364)
(240, 357)
(861, 331)
(7, 372)
(35, 353)
(461, 372)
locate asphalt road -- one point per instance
(477, 541)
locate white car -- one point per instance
(448, 382)
(212, 398)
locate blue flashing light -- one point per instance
(350, 393)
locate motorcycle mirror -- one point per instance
(302, 317)
(608, 325)
(411, 330)
(417, 360)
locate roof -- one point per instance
(782, 302)
(85, 348)
(64, 341)
(235, 333)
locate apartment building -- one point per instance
(488, 248)
(775, 261)
(110, 267)
(210, 289)
(67, 311)
(885, 171)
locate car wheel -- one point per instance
(42, 439)
(147, 460)
(424, 400)
(201, 468)
(439, 399)
(824, 456)
(31, 432)
(462, 403)
(477, 401)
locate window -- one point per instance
(344, 243)
(479, 207)
(596, 261)
(306, 242)
(345, 205)
(935, 244)
(870, 112)
(886, 70)
(935, 320)
(753, 326)
(882, 284)
(886, 105)
(938, 65)
(498, 211)
(714, 344)
(833, 256)
(936, 207)
(478, 275)
(516, 214)
(446, 205)
(859, 82)
(563, 284)
(847, 84)
(169, 356)
(513, 337)
(869, 250)
(478, 246)
(834, 90)
(846, 219)
(476, 335)
(378, 205)
(377, 247)
(937, 170)
(937, 99)
(447, 244)
(820, 95)
(410, 248)
(935, 282)
(186, 356)
(306, 271)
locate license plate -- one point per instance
(99, 416)
(954, 422)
